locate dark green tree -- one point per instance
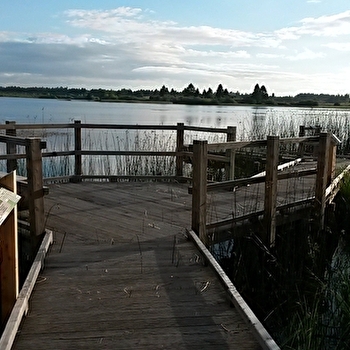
(163, 91)
(264, 94)
(219, 91)
(189, 91)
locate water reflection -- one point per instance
(251, 122)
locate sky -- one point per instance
(290, 46)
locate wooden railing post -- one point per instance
(231, 154)
(9, 276)
(322, 177)
(332, 160)
(179, 148)
(77, 154)
(11, 147)
(272, 155)
(199, 191)
(301, 148)
(35, 189)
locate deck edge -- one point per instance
(259, 331)
(21, 306)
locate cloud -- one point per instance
(306, 54)
(345, 46)
(133, 25)
(324, 26)
(126, 47)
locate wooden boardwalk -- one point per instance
(122, 275)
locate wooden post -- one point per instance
(77, 145)
(272, 154)
(11, 147)
(179, 148)
(332, 160)
(322, 177)
(35, 189)
(231, 154)
(9, 279)
(199, 191)
(301, 148)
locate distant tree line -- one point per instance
(189, 95)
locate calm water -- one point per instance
(244, 117)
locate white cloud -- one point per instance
(345, 46)
(269, 55)
(306, 54)
(324, 26)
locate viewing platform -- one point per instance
(129, 265)
(122, 274)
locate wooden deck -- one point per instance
(121, 274)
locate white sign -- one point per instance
(8, 201)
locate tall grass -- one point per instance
(323, 322)
(284, 125)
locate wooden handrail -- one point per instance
(110, 126)
(222, 146)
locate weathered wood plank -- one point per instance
(9, 276)
(126, 276)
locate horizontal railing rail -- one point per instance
(111, 127)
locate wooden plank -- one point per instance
(333, 188)
(222, 146)
(9, 278)
(282, 166)
(264, 338)
(216, 186)
(146, 289)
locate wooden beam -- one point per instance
(199, 191)
(35, 188)
(322, 177)
(11, 147)
(263, 337)
(77, 145)
(216, 186)
(271, 189)
(230, 153)
(332, 160)
(9, 278)
(222, 146)
(179, 148)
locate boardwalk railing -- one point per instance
(78, 152)
(325, 170)
(198, 154)
(32, 187)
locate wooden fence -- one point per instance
(180, 152)
(32, 186)
(199, 153)
(326, 144)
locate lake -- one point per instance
(247, 119)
